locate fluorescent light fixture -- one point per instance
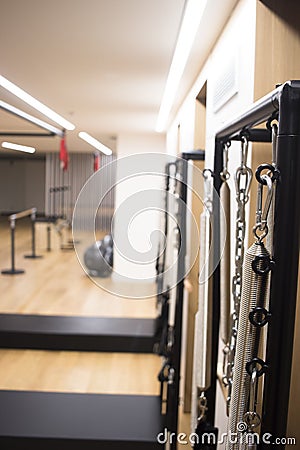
(190, 23)
(27, 98)
(32, 119)
(94, 143)
(20, 148)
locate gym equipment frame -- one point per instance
(31, 420)
(282, 104)
(12, 218)
(170, 404)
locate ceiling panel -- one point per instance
(102, 64)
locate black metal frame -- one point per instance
(175, 360)
(33, 255)
(162, 297)
(283, 102)
(52, 131)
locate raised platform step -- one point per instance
(101, 334)
(52, 421)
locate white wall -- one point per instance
(22, 185)
(236, 43)
(139, 232)
(35, 185)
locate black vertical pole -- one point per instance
(48, 238)
(33, 236)
(13, 270)
(173, 388)
(33, 254)
(12, 231)
(211, 392)
(283, 296)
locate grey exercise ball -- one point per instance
(95, 261)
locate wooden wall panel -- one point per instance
(277, 60)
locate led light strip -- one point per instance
(95, 143)
(192, 16)
(20, 148)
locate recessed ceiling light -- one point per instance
(27, 98)
(20, 148)
(95, 143)
(190, 23)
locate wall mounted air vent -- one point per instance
(226, 84)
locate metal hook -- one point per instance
(262, 212)
(208, 189)
(251, 417)
(225, 175)
(253, 390)
(244, 150)
(202, 407)
(206, 172)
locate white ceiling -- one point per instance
(102, 64)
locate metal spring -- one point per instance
(254, 294)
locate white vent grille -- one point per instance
(226, 85)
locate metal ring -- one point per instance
(263, 234)
(265, 317)
(224, 175)
(225, 381)
(244, 135)
(207, 170)
(269, 167)
(252, 419)
(273, 117)
(262, 258)
(162, 377)
(259, 364)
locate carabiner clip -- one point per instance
(263, 212)
(225, 175)
(251, 417)
(244, 151)
(202, 407)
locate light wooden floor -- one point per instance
(56, 284)
(79, 372)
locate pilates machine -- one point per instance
(31, 420)
(12, 219)
(282, 105)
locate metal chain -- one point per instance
(243, 178)
(225, 175)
